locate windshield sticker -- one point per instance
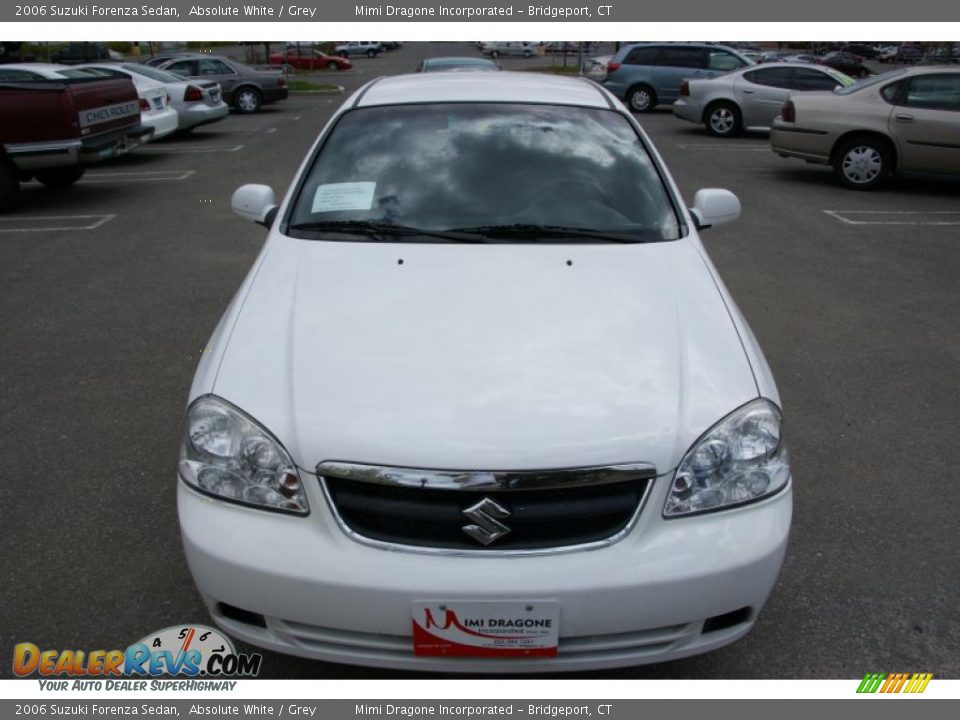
(343, 196)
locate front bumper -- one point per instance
(317, 593)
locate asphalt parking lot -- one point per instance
(109, 291)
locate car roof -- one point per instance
(50, 69)
(458, 59)
(520, 87)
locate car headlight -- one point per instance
(227, 454)
(740, 459)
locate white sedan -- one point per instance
(196, 102)
(155, 108)
(482, 403)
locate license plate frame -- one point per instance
(469, 628)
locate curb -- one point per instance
(339, 91)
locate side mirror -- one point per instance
(713, 206)
(255, 202)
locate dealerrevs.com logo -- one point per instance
(184, 650)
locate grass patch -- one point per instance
(555, 70)
(306, 86)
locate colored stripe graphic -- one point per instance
(894, 683)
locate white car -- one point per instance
(482, 403)
(196, 102)
(155, 109)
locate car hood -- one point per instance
(489, 357)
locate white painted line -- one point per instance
(898, 217)
(143, 175)
(270, 130)
(295, 117)
(723, 146)
(60, 222)
(209, 149)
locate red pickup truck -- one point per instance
(57, 120)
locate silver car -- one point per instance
(750, 98)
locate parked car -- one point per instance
(909, 54)
(862, 50)
(246, 89)
(392, 45)
(307, 59)
(455, 64)
(80, 52)
(165, 57)
(57, 120)
(646, 75)
(370, 49)
(750, 98)
(194, 103)
(155, 109)
(901, 121)
(771, 56)
(846, 63)
(497, 49)
(602, 433)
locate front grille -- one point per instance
(538, 518)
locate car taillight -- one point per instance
(281, 82)
(613, 67)
(789, 112)
(144, 105)
(192, 93)
(685, 89)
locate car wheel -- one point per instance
(724, 120)
(641, 99)
(494, 54)
(371, 53)
(62, 177)
(9, 185)
(333, 65)
(247, 100)
(342, 53)
(862, 163)
(527, 54)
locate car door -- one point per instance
(925, 123)
(676, 63)
(761, 94)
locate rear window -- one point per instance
(471, 165)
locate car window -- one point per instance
(892, 91)
(722, 60)
(869, 82)
(470, 165)
(804, 79)
(642, 56)
(153, 73)
(13, 75)
(213, 67)
(779, 77)
(936, 92)
(181, 67)
(683, 57)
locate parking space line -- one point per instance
(270, 130)
(143, 175)
(209, 149)
(723, 146)
(898, 217)
(61, 222)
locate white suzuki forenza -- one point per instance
(482, 403)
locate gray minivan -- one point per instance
(648, 74)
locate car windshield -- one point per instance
(153, 73)
(870, 81)
(507, 171)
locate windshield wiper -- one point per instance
(378, 231)
(531, 231)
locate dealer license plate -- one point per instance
(486, 629)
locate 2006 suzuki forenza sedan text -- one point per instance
(482, 403)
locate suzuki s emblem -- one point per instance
(486, 515)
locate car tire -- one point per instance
(342, 53)
(247, 100)
(723, 120)
(494, 54)
(863, 163)
(641, 99)
(333, 65)
(527, 54)
(9, 185)
(371, 53)
(62, 177)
